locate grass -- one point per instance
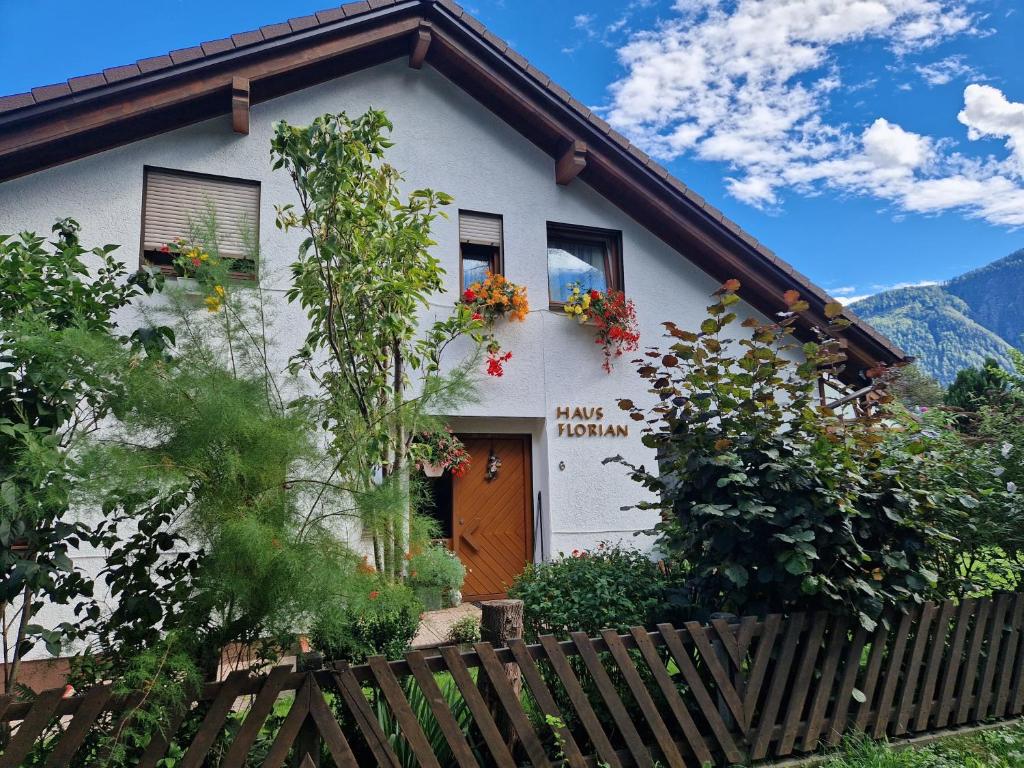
(995, 748)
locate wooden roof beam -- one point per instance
(240, 105)
(571, 162)
(420, 45)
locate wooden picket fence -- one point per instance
(678, 696)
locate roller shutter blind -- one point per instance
(175, 202)
(480, 229)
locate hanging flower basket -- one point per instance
(613, 317)
(439, 452)
(494, 299)
(432, 469)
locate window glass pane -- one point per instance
(577, 262)
(474, 268)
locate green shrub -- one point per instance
(437, 566)
(611, 586)
(465, 630)
(382, 622)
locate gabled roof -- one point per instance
(57, 123)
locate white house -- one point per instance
(539, 181)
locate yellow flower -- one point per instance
(212, 303)
(568, 308)
(219, 290)
(204, 257)
(577, 310)
(586, 300)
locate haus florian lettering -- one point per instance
(586, 421)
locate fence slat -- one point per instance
(995, 643)
(214, 719)
(851, 670)
(643, 698)
(777, 688)
(477, 705)
(967, 684)
(261, 707)
(954, 656)
(693, 679)
(580, 702)
(35, 722)
(802, 684)
(931, 673)
(892, 673)
(759, 669)
(879, 642)
(606, 688)
(728, 639)
(357, 705)
(836, 643)
(714, 665)
(913, 673)
(671, 694)
(84, 719)
(546, 702)
(329, 729)
(442, 713)
(408, 725)
(290, 728)
(1010, 657)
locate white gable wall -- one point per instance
(444, 140)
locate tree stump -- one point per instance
(501, 621)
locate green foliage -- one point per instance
(436, 566)
(975, 386)
(364, 276)
(995, 748)
(424, 716)
(914, 388)
(56, 313)
(774, 501)
(465, 630)
(380, 619)
(608, 587)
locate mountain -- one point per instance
(958, 324)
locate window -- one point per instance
(480, 238)
(177, 204)
(590, 258)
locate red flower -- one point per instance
(165, 249)
(495, 363)
(195, 261)
(595, 295)
(477, 316)
(469, 295)
(374, 595)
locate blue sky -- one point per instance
(869, 142)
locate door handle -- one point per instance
(468, 538)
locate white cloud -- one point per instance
(946, 70)
(748, 83)
(877, 288)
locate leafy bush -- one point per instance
(609, 587)
(775, 501)
(436, 566)
(380, 622)
(465, 630)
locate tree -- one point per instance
(774, 501)
(914, 388)
(55, 313)
(974, 386)
(365, 276)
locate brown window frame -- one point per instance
(497, 252)
(611, 239)
(168, 270)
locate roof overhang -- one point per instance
(196, 84)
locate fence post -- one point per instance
(501, 621)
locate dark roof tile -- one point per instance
(677, 184)
(537, 75)
(580, 107)
(154, 63)
(183, 55)
(381, 3)
(639, 154)
(694, 197)
(247, 38)
(517, 58)
(454, 8)
(114, 74)
(618, 138)
(328, 15)
(600, 123)
(496, 41)
(473, 23)
(46, 92)
(300, 23)
(16, 101)
(212, 47)
(351, 9)
(275, 30)
(559, 91)
(85, 82)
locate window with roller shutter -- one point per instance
(177, 205)
(480, 245)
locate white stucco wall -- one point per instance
(444, 140)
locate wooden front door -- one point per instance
(492, 520)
